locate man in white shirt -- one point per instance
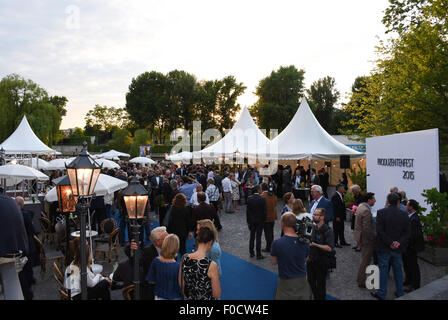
(194, 198)
(227, 194)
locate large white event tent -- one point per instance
(244, 138)
(304, 138)
(24, 141)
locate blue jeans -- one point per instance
(397, 265)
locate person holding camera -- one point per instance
(321, 256)
(290, 254)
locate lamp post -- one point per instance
(66, 204)
(135, 198)
(83, 173)
(2, 180)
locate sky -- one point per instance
(89, 51)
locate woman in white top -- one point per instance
(235, 191)
(98, 287)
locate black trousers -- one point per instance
(255, 236)
(216, 220)
(353, 222)
(269, 233)
(339, 231)
(317, 278)
(162, 214)
(26, 280)
(99, 292)
(411, 268)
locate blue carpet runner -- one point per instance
(241, 280)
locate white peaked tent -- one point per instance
(242, 139)
(181, 156)
(24, 141)
(304, 138)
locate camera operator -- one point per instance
(322, 244)
(289, 253)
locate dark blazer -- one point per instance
(416, 240)
(326, 204)
(338, 207)
(203, 211)
(256, 210)
(13, 235)
(179, 222)
(154, 184)
(392, 224)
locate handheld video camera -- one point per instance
(304, 227)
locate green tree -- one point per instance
(106, 118)
(216, 106)
(408, 89)
(323, 96)
(19, 97)
(121, 140)
(279, 96)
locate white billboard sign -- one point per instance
(408, 161)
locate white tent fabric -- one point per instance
(142, 160)
(107, 163)
(58, 164)
(304, 138)
(181, 156)
(112, 154)
(242, 139)
(24, 140)
(19, 172)
(105, 185)
(39, 164)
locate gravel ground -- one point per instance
(234, 239)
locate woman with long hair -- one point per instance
(215, 251)
(98, 287)
(179, 221)
(198, 275)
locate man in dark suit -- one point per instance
(416, 244)
(256, 216)
(156, 189)
(393, 231)
(320, 202)
(149, 253)
(339, 216)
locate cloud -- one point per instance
(89, 51)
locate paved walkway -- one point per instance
(234, 239)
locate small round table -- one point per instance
(96, 268)
(89, 233)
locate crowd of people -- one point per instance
(189, 201)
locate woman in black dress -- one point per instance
(179, 221)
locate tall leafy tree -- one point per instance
(408, 89)
(323, 97)
(19, 97)
(279, 97)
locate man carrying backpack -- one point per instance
(322, 255)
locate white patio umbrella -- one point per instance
(113, 154)
(107, 163)
(142, 160)
(182, 156)
(105, 185)
(58, 164)
(19, 172)
(38, 163)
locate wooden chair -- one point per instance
(45, 225)
(43, 257)
(127, 292)
(64, 295)
(107, 226)
(58, 272)
(106, 248)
